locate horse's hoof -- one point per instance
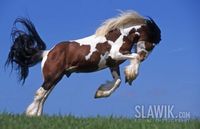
(129, 81)
(100, 94)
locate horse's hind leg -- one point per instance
(33, 108)
(40, 107)
(107, 89)
(52, 76)
(36, 107)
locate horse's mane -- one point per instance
(125, 19)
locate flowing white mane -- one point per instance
(125, 19)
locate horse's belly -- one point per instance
(84, 69)
(92, 65)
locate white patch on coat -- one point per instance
(92, 40)
(115, 46)
(137, 33)
(102, 62)
(44, 56)
(33, 108)
(141, 47)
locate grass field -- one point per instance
(10, 121)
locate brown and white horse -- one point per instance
(110, 46)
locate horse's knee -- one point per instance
(47, 85)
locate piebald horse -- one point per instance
(110, 46)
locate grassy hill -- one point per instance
(10, 121)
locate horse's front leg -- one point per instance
(107, 89)
(131, 71)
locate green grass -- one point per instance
(11, 121)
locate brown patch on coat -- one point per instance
(76, 53)
(129, 41)
(76, 57)
(146, 34)
(113, 35)
(113, 63)
(103, 47)
(149, 46)
(53, 68)
(110, 62)
(91, 64)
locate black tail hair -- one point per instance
(27, 48)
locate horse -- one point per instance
(108, 47)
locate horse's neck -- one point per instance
(118, 38)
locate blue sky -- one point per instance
(169, 76)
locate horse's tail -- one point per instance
(27, 48)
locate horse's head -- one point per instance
(144, 36)
(149, 36)
(136, 29)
